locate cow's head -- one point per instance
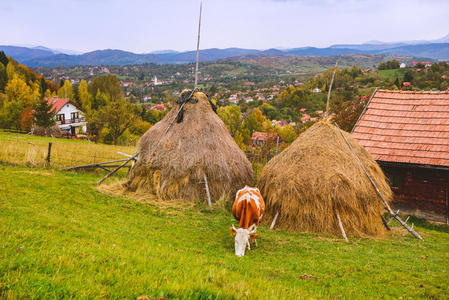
(242, 237)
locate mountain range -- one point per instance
(40, 56)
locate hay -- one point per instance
(171, 165)
(316, 177)
(53, 131)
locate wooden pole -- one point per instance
(277, 146)
(447, 204)
(390, 211)
(274, 220)
(115, 170)
(95, 164)
(329, 90)
(198, 47)
(342, 229)
(49, 153)
(207, 191)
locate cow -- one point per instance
(248, 209)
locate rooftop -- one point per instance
(406, 127)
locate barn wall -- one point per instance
(420, 191)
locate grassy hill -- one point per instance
(62, 238)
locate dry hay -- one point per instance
(53, 131)
(317, 177)
(172, 164)
(118, 188)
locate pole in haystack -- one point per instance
(196, 68)
(340, 224)
(198, 47)
(326, 114)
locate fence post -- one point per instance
(49, 153)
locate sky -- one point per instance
(143, 26)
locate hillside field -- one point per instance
(62, 238)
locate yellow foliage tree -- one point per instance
(66, 91)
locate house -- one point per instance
(402, 66)
(67, 115)
(407, 84)
(159, 107)
(263, 138)
(316, 90)
(407, 133)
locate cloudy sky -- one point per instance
(143, 26)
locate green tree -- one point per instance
(117, 116)
(43, 114)
(108, 85)
(3, 59)
(3, 78)
(66, 91)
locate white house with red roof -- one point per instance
(67, 115)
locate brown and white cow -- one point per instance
(248, 209)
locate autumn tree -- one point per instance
(66, 91)
(108, 85)
(84, 97)
(117, 116)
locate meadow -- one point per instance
(28, 150)
(62, 238)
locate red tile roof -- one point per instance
(57, 103)
(406, 127)
(263, 136)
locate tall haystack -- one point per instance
(172, 163)
(316, 178)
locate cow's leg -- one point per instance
(255, 242)
(249, 247)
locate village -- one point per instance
(224, 150)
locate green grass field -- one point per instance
(392, 74)
(61, 238)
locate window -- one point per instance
(74, 115)
(60, 117)
(396, 180)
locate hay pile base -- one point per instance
(317, 177)
(172, 164)
(53, 131)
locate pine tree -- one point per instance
(4, 59)
(43, 114)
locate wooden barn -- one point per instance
(407, 133)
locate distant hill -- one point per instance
(24, 53)
(45, 57)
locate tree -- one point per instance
(3, 78)
(3, 59)
(232, 117)
(108, 85)
(84, 96)
(117, 116)
(18, 91)
(43, 114)
(66, 91)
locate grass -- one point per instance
(62, 238)
(392, 74)
(22, 149)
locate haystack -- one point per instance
(316, 178)
(53, 131)
(172, 164)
